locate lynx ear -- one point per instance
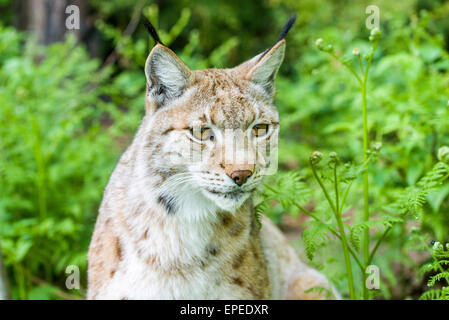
(262, 69)
(265, 67)
(167, 76)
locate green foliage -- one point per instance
(413, 198)
(438, 266)
(380, 225)
(55, 157)
(315, 236)
(400, 189)
(320, 290)
(288, 190)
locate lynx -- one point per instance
(177, 220)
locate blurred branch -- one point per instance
(129, 30)
(59, 293)
(4, 287)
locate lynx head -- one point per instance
(211, 134)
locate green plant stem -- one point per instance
(376, 246)
(360, 62)
(366, 213)
(334, 232)
(365, 184)
(337, 203)
(345, 194)
(350, 69)
(344, 242)
(326, 194)
(362, 83)
(343, 238)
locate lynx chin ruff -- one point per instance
(170, 227)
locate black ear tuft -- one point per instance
(152, 30)
(287, 27)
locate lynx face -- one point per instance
(210, 134)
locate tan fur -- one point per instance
(169, 228)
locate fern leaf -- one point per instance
(314, 236)
(437, 277)
(413, 198)
(433, 294)
(381, 224)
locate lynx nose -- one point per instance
(240, 176)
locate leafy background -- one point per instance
(68, 110)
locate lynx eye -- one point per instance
(259, 130)
(202, 134)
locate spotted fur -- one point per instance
(173, 228)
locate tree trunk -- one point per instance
(47, 18)
(4, 287)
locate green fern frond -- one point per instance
(433, 178)
(288, 190)
(443, 262)
(354, 238)
(433, 294)
(320, 291)
(314, 236)
(440, 255)
(444, 293)
(432, 266)
(438, 277)
(381, 224)
(428, 267)
(413, 198)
